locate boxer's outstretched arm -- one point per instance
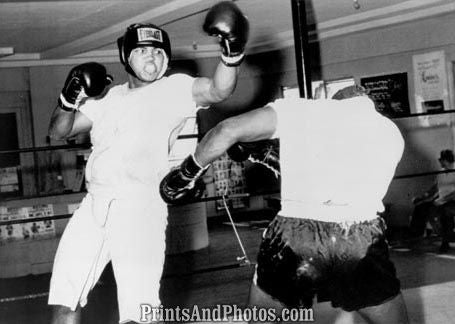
(226, 22)
(251, 126)
(179, 184)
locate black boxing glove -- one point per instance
(262, 152)
(84, 80)
(240, 152)
(226, 21)
(183, 183)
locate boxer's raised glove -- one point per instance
(183, 183)
(227, 22)
(262, 152)
(84, 80)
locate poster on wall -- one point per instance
(11, 232)
(9, 180)
(430, 82)
(389, 93)
(28, 230)
(39, 229)
(229, 179)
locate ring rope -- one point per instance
(25, 297)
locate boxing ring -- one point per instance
(194, 227)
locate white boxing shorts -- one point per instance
(128, 232)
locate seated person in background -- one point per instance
(438, 203)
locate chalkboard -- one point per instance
(389, 93)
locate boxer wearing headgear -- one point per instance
(132, 126)
(144, 35)
(337, 159)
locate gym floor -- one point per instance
(212, 276)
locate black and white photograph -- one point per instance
(227, 161)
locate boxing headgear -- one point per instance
(137, 35)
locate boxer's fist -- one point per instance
(84, 80)
(183, 183)
(227, 22)
(261, 152)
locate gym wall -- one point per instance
(367, 53)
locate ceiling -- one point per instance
(55, 32)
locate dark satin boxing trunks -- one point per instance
(346, 264)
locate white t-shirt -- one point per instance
(337, 158)
(131, 135)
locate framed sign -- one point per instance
(389, 93)
(430, 82)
